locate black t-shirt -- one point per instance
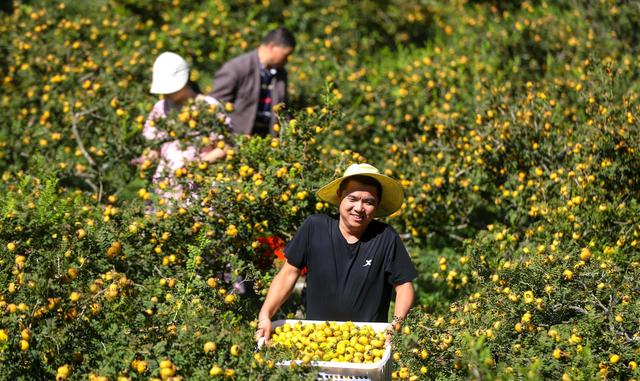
(349, 281)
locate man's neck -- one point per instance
(351, 235)
(262, 57)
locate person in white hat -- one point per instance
(355, 263)
(171, 79)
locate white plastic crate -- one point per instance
(339, 371)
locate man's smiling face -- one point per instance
(358, 204)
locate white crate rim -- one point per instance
(377, 327)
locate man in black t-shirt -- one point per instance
(354, 263)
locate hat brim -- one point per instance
(392, 193)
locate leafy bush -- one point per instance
(512, 127)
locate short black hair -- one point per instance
(281, 37)
(362, 179)
(194, 86)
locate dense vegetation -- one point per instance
(513, 127)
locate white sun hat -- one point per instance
(170, 73)
(392, 192)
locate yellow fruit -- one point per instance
(614, 358)
(567, 274)
(141, 366)
(209, 346)
(167, 372)
(215, 371)
(235, 350)
(24, 345)
(63, 372)
(585, 254)
(166, 364)
(330, 341)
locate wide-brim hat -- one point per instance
(170, 73)
(392, 192)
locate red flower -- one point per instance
(274, 246)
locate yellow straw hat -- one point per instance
(392, 192)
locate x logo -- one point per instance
(367, 262)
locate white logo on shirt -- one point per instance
(367, 262)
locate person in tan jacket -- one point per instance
(256, 81)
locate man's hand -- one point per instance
(404, 299)
(151, 155)
(279, 291)
(264, 329)
(212, 154)
(394, 327)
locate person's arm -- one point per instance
(279, 292)
(212, 153)
(404, 300)
(148, 154)
(151, 133)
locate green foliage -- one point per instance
(513, 128)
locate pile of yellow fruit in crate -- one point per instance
(331, 341)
